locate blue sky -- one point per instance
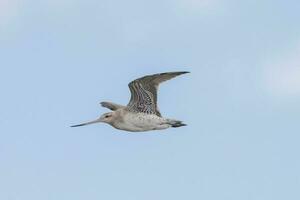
(59, 59)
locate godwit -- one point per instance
(141, 113)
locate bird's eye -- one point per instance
(107, 116)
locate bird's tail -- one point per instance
(176, 123)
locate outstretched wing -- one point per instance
(144, 92)
(111, 106)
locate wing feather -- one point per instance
(144, 92)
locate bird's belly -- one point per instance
(139, 123)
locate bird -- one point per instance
(141, 113)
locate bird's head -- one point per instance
(105, 118)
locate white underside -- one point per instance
(138, 122)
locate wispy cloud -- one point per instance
(282, 77)
(192, 7)
(8, 10)
(199, 3)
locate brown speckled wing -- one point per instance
(144, 92)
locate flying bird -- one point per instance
(141, 113)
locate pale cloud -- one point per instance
(202, 6)
(283, 77)
(8, 11)
(58, 5)
(199, 3)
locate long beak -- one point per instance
(88, 123)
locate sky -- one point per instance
(60, 58)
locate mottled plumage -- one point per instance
(141, 113)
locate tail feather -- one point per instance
(176, 123)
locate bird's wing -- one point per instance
(144, 92)
(111, 106)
